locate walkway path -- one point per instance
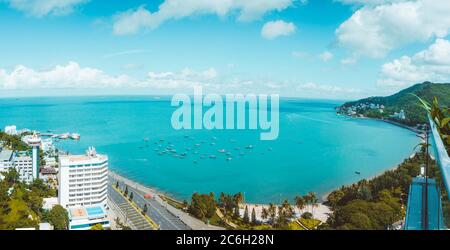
(132, 215)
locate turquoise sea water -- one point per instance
(317, 150)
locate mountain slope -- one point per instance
(403, 100)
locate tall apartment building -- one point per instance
(83, 179)
(23, 163)
(6, 160)
(18, 160)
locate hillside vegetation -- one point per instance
(403, 100)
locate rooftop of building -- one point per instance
(90, 157)
(6, 155)
(48, 170)
(87, 212)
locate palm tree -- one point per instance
(272, 212)
(264, 213)
(222, 200)
(313, 200)
(300, 203)
(307, 198)
(285, 213)
(238, 198)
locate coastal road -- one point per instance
(158, 213)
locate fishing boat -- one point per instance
(64, 136)
(75, 136)
(249, 147)
(221, 150)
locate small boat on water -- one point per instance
(249, 147)
(212, 143)
(64, 136)
(212, 157)
(75, 136)
(229, 159)
(221, 151)
(357, 172)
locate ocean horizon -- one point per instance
(317, 150)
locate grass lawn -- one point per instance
(216, 221)
(295, 226)
(172, 202)
(310, 223)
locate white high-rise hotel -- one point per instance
(83, 179)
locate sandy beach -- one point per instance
(320, 212)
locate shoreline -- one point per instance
(398, 124)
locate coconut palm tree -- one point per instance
(307, 198)
(272, 213)
(300, 203)
(313, 199)
(264, 213)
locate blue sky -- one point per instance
(334, 49)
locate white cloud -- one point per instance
(61, 76)
(41, 8)
(326, 56)
(132, 21)
(73, 76)
(432, 64)
(381, 26)
(274, 29)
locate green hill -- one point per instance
(403, 100)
